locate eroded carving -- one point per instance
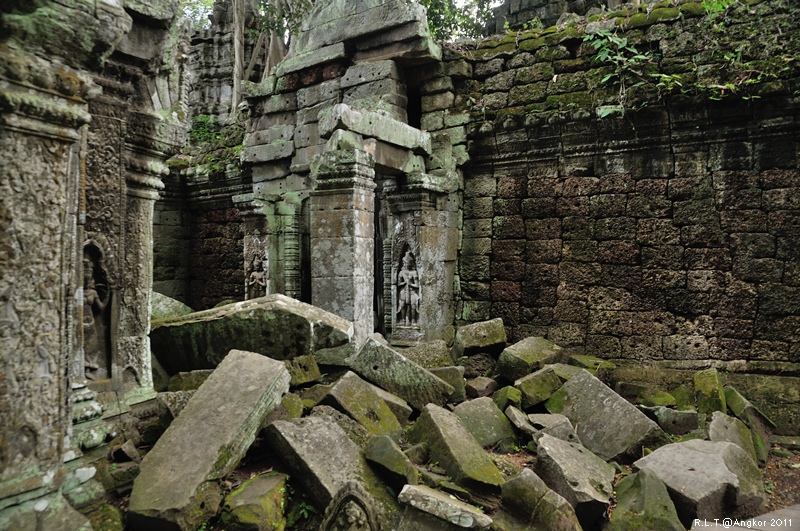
(96, 320)
(351, 509)
(408, 296)
(257, 278)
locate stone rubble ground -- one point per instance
(516, 456)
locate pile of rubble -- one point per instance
(480, 435)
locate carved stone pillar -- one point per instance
(423, 256)
(258, 277)
(342, 237)
(42, 115)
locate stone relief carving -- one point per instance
(96, 318)
(257, 278)
(351, 509)
(408, 295)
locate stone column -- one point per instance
(131, 367)
(342, 237)
(41, 125)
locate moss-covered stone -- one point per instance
(303, 369)
(538, 386)
(356, 397)
(106, 517)
(257, 505)
(188, 381)
(684, 397)
(383, 451)
(708, 391)
(643, 503)
(507, 396)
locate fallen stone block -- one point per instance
(174, 402)
(477, 365)
(575, 473)
(480, 387)
(441, 506)
(453, 446)
(707, 480)
(528, 504)
(188, 381)
(537, 387)
(525, 357)
(163, 307)
(672, 421)
(564, 371)
(257, 504)
(275, 326)
(486, 336)
(555, 425)
(357, 433)
(430, 354)
(606, 423)
(357, 398)
(385, 367)
(455, 377)
(323, 458)
(402, 411)
(760, 425)
(176, 486)
(643, 503)
(724, 428)
(385, 453)
(303, 370)
(485, 421)
(507, 396)
(708, 392)
(521, 422)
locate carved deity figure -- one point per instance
(95, 300)
(408, 292)
(257, 281)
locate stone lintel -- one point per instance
(311, 58)
(374, 125)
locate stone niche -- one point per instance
(84, 90)
(354, 206)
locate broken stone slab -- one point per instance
(476, 365)
(443, 507)
(507, 396)
(357, 433)
(485, 336)
(528, 504)
(303, 369)
(480, 386)
(485, 421)
(257, 504)
(354, 396)
(538, 386)
(606, 423)
(707, 479)
(672, 421)
(319, 56)
(385, 367)
(456, 450)
(643, 503)
(385, 453)
(163, 307)
(374, 125)
(430, 354)
(708, 391)
(564, 371)
(521, 422)
(402, 411)
(724, 428)
(455, 377)
(177, 488)
(174, 402)
(760, 425)
(275, 326)
(555, 425)
(188, 381)
(575, 473)
(323, 458)
(525, 357)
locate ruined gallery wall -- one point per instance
(668, 233)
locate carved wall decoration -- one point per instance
(96, 315)
(408, 292)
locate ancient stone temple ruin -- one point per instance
(616, 182)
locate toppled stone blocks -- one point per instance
(525, 357)
(276, 326)
(176, 487)
(486, 336)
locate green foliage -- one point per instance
(198, 11)
(205, 128)
(283, 16)
(627, 62)
(715, 7)
(447, 20)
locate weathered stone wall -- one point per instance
(172, 224)
(667, 233)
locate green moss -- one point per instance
(530, 45)
(106, 517)
(638, 20)
(692, 9)
(557, 401)
(485, 54)
(665, 15)
(658, 398)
